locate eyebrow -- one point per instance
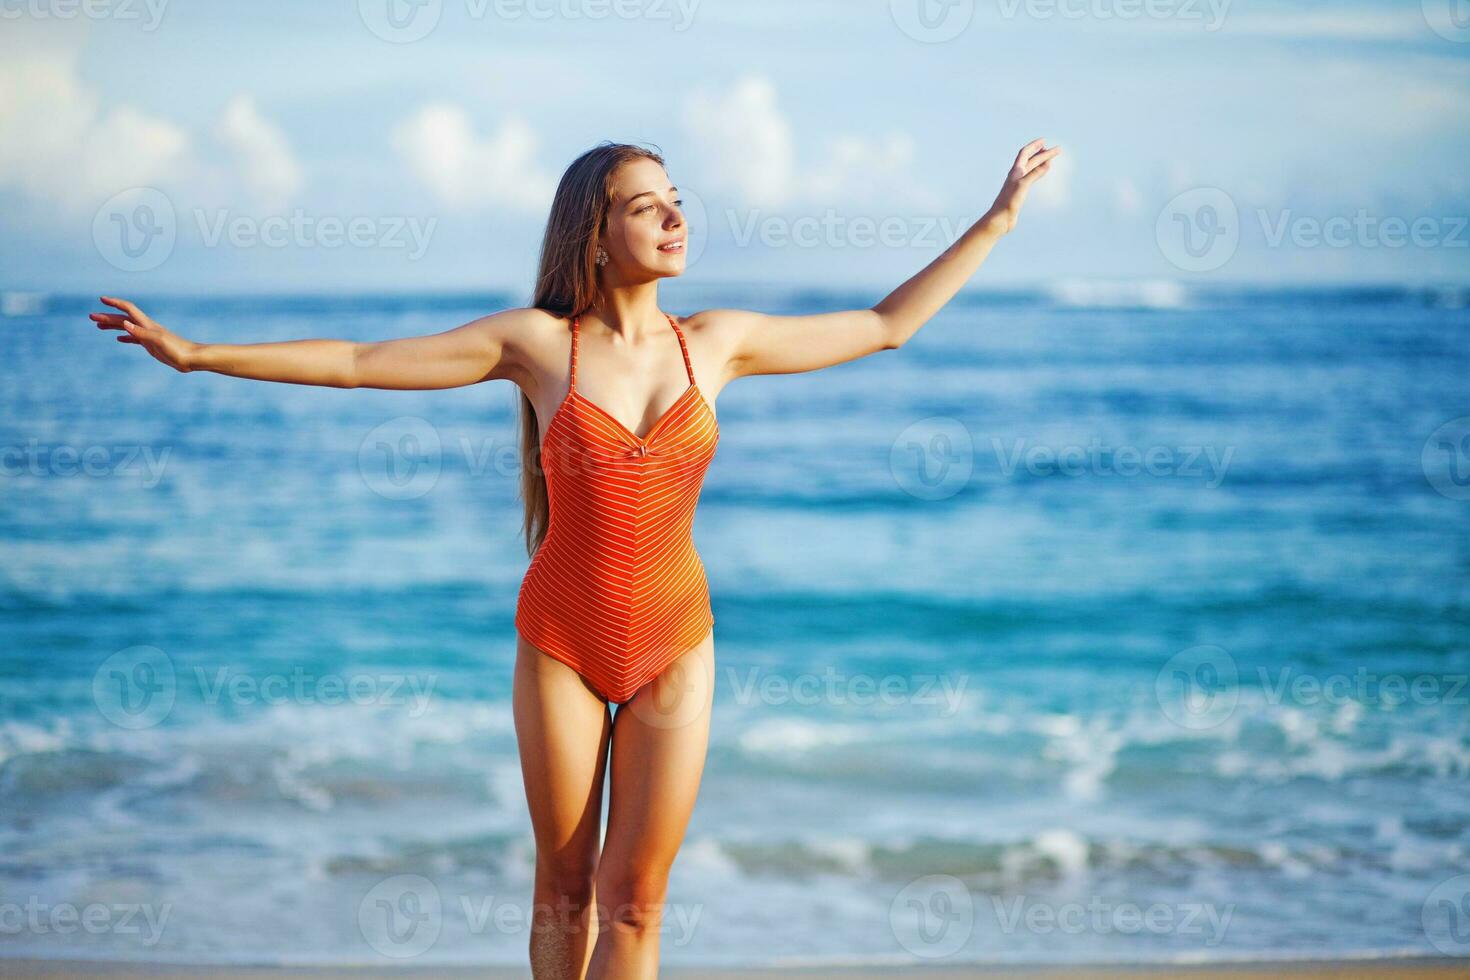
(646, 193)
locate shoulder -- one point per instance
(524, 322)
(523, 335)
(718, 321)
(721, 335)
(720, 328)
(526, 342)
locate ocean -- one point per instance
(1097, 623)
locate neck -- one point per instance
(631, 311)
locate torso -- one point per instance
(616, 589)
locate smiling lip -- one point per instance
(676, 246)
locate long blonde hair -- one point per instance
(566, 284)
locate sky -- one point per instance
(200, 146)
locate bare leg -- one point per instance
(562, 729)
(659, 741)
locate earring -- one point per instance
(601, 256)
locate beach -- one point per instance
(1296, 970)
(1134, 632)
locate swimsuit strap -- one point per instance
(572, 371)
(684, 348)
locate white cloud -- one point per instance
(439, 145)
(863, 171)
(747, 146)
(58, 144)
(261, 153)
(746, 140)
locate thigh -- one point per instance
(562, 731)
(659, 740)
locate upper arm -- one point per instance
(762, 343)
(481, 350)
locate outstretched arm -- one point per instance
(764, 344)
(465, 355)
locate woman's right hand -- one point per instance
(138, 328)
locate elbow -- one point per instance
(351, 374)
(891, 337)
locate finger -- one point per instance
(108, 321)
(1029, 149)
(1041, 159)
(127, 339)
(1034, 175)
(126, 306)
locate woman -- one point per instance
(614, 607)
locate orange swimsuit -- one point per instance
(616, 589)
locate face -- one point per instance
(646, 235)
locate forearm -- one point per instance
(330, 363)
(912, 305)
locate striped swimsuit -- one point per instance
(616, 590)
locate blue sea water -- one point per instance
(1096, 623)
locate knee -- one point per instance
(633, 903)
(567, 882)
